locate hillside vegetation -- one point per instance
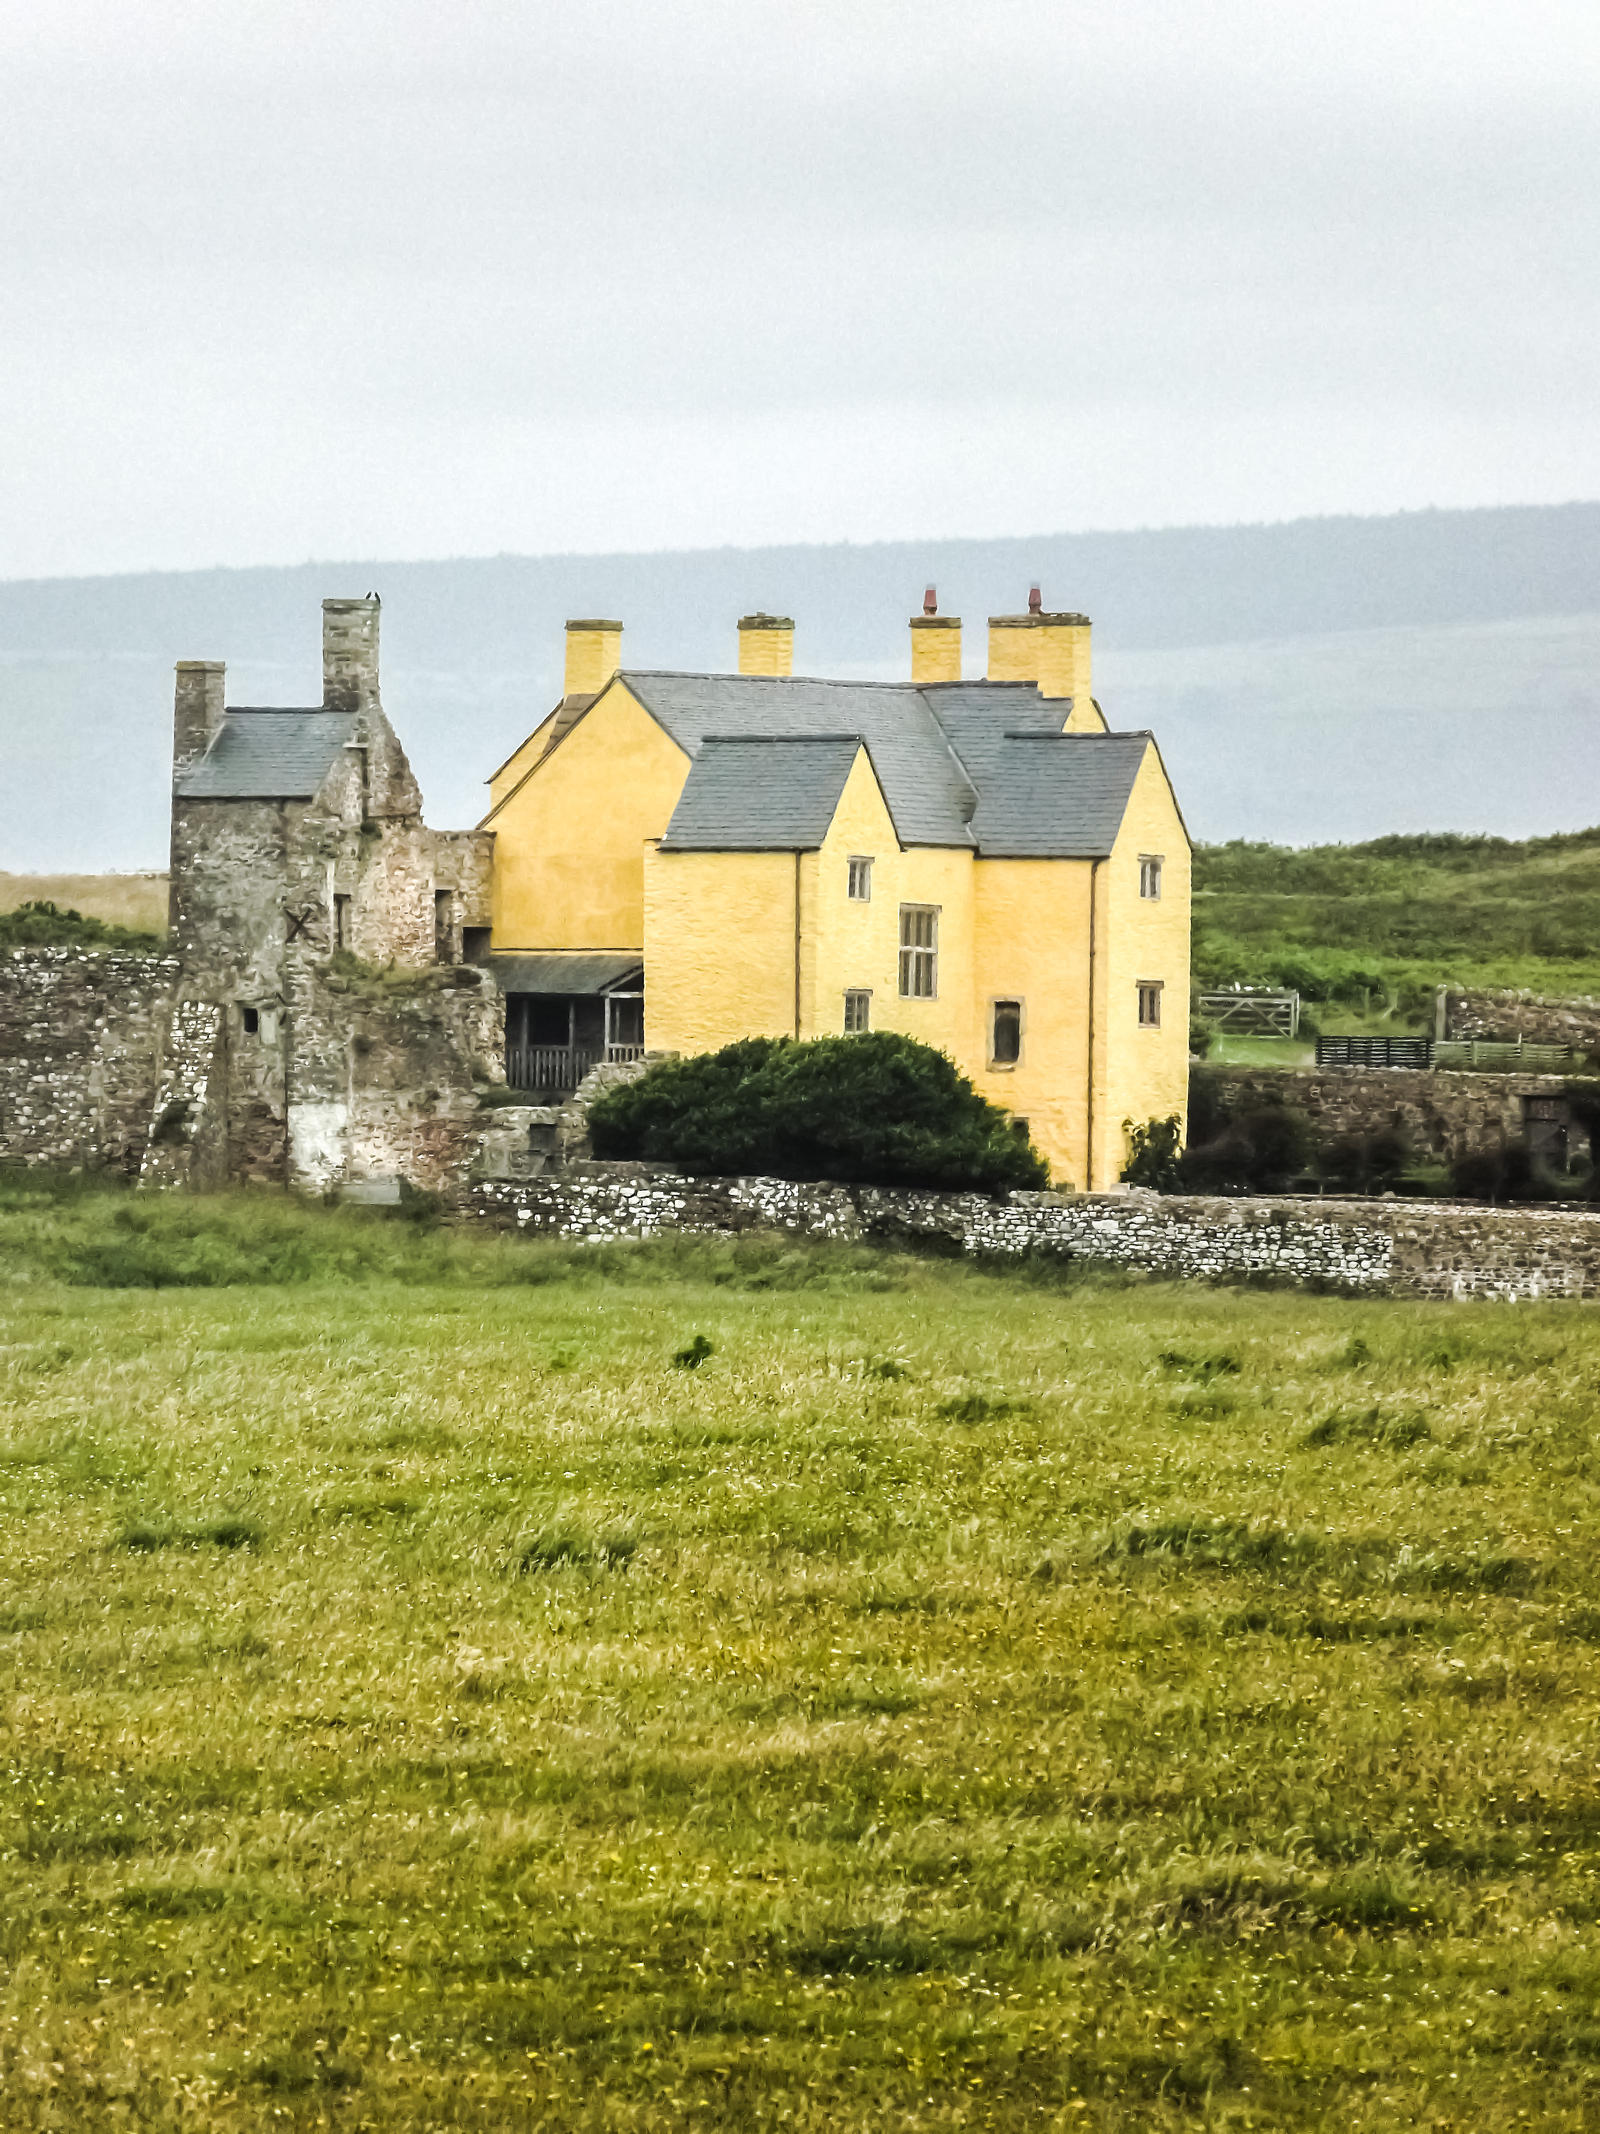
(1376, 927)
(712, 1687)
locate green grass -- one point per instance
(1372, 929)
(958, 1700)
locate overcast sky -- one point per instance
(333, 277)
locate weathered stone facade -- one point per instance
(1442, 1114)
(83, 1043)
(1383, 1248)
(1537, 1021)
(314, 1020)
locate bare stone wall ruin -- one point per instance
(1441, 1113)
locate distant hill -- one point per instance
(1319, 679)
(1375, 927)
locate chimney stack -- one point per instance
(197, 706)
(766, 644)
(935, 643)
(350, 653)
(594, 653)
(1048, 648)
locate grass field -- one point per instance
(137, 901)
(954, 1700)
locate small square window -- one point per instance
(1150, 1004)
(919, 951)
(857, 1012)
(1005, 1033)
(250, 1021)
(861, 881)
(1150, 875)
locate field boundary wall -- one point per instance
(1377, 1247)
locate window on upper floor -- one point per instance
(1005, 1033)
(341, 922)
(857, 1011)
(919, 951)
(1150, 874)
(860, 887)
(1150, 1004)
(250, 1021)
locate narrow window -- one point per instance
(919, 951)
(857, 1013)
(1150, 875)
(1005, 1033)
(861, 881)
(1150, 1004)
(444, 926)
(250, 1018)
(341, 922)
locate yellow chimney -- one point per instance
(935, 643)
(1013, 648)
(766, 644)
(594, 653)
(1063, 669)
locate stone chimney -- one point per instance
(935, 643)
(1062, 668)
(1014, 647)
(350, 653)
(766, 644)
(196, 708)
(594, 653)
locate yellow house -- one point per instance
(686, 859)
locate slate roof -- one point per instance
(929, 795)
(1056, 796)
(979, 765)
(566, 970)
(766, 793)
(267, 755)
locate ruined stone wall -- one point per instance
(1535, 1020)
(1443, 1114)
(1387, 1248)
(82, 1051)
(420, 1057)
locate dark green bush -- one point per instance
(1154, 1153)
(41, 924)
(879, 1109)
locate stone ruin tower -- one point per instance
(330, 1023)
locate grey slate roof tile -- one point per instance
(267, 755)
(1057, 796)
(767, 793)
(565, 970)
(929, 794)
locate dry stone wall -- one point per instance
(1442, 1114)
(1383, 1248)
(1535, 1020)
(82, 1050)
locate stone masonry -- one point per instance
(1442, 1114)
(1382, 1248)
(1507, 1016)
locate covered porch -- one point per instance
(567, 1012)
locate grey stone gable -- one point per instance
(268, 755)
(928, 793)
(1056, 796)
(773, 793)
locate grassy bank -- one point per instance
(951, 1701)
(1372, 929)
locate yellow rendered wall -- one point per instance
(719, 947)
(570, 841)
(1146, 1071)
(1032, 945)
(518, 764)
(1085, 717)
